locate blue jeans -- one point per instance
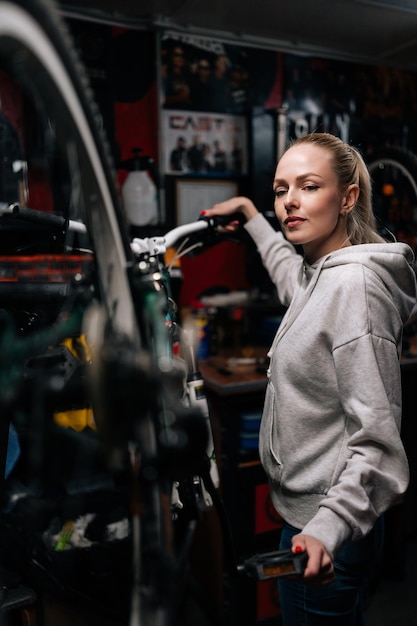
(340, 602)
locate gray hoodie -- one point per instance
(330, 432)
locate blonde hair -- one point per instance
(350, 168)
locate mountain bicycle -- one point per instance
(62, 283)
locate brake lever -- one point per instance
(223, 220)
(215, 233)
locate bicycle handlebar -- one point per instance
(159, 245)
(151, 245)
(47, 219)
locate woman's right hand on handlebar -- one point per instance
(237, 204)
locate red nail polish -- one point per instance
(298, 549)
(203, 212)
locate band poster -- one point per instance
(204, 143)
(208, 91)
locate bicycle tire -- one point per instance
(35, 41)
(37, 50)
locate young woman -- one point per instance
(330, 433)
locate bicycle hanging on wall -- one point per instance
(394, 179)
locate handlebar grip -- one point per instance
(223, 220)
(32, 215)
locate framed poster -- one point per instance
(204, 144)
(193, 196)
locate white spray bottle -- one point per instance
(139, 192)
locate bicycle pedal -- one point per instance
(275, 564)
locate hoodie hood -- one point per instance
(392, 262)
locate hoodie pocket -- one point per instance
(268, 437)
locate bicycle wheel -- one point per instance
(65, 142)
(394, 176)
(35, 52)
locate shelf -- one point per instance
(222, 378)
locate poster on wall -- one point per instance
(364, 105)
(319, 95)
(204, 143)
(203, 74)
